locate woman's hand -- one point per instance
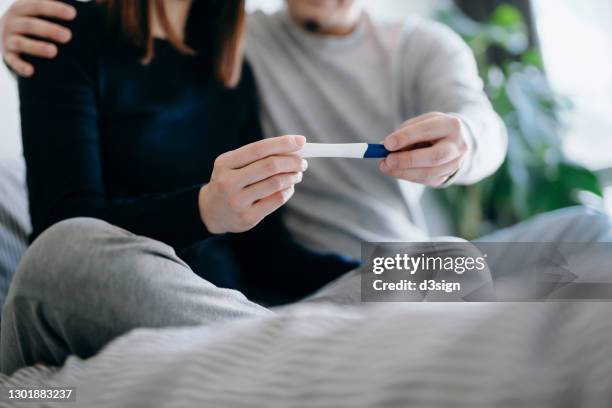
(427, 150)
(250, 183)
(24, 30)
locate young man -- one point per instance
(327, 70)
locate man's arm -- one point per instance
(24, 30)
(458, 138)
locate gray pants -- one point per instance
(84, 282)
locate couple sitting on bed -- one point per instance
(154, 200)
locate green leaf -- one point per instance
(507, 16)
(578, 178)
(534, 58)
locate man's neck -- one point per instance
(332, 31)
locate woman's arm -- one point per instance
(61, 142)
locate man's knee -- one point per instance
(586, 214)
(587, 224)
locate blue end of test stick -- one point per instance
(376, 151)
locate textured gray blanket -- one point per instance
(393, 355)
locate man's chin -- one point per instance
(312, 10)
(318, 4)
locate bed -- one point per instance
(14, 220)
(320, 353)
(324, 355)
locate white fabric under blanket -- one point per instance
(318, 355)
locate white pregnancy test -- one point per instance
(344, 150)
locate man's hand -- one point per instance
(23, 22)
(427, 149)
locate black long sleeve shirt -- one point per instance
(108, 137)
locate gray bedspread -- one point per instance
(393, 355)
(14, 220)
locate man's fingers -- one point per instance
(23, 45)
(420, 118)
(18, 65)
(271, 166)
(40, 28)
(239, 158)
(425, 131)
(417, 119)
(269, 186)
(45, 8)
(431, 176)
(440, 153)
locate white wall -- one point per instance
(10, 139)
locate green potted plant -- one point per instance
(536, 176)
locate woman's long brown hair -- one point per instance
(214, 28)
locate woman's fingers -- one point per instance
(242, 190)
(268, 205)
(233, 181)
(23, 45)
(270, 166)
(268, 187)
(44, 8)
(18, 65)
(239, 158)
(30, 26)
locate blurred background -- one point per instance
(547, 67)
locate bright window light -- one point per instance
(576, 40)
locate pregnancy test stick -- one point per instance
(344, 150)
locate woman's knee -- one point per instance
(62, 256)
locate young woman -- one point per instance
(147, 120)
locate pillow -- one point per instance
(14, 220)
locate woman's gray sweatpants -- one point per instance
(84, 282)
